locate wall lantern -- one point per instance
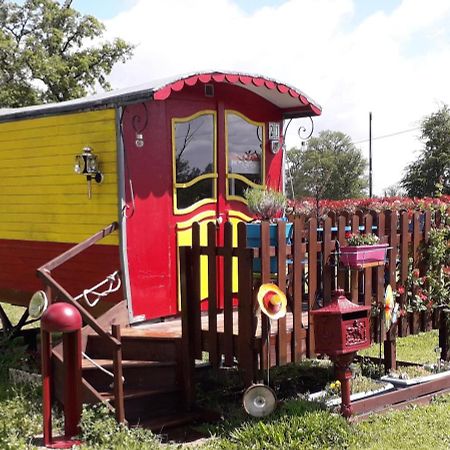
(86, 163)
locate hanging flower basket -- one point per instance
(362, 255)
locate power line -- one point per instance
(384, 136)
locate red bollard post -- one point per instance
(63, 318)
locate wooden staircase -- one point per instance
(143, 375)
(153, 388)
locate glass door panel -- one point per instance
(194, 149)
(245, 155)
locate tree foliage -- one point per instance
(45, 56)
(431, 171)
(331, 167)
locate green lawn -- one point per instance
(14, 314)
(417, 348)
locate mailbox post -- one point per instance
(341, 329)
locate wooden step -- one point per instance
(132, 363)
(134, 393)
(137, 346)
(137, 374)
(161, 423)
(144, 404)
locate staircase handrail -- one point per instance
(45, 273)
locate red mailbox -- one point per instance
(341, 327)
(340, 330)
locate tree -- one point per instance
(331, 167)
(44, 53)
(394, 190)
(431, 171)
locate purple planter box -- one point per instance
(358, 256)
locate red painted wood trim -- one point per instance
(164, 92)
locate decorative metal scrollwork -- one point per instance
(303, 132)
(139, 123)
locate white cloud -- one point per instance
(375, 66)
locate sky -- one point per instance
(388, 57)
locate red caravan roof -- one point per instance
(292, 101)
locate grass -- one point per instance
(14, 314)
(418, 348)
(296, 424)
(418, 427)
(299, 426)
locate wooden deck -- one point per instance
(172, 328)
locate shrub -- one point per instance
(21, 417)
(100, 430)
(266, 204)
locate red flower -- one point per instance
(400, 290)
(416, 273)
(348, 235)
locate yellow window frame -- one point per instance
(190, 183)
(238, 176)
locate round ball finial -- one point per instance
(61, 317)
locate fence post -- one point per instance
(281, 346)
(118, 377)
(213, 338)
(444, 334)
(246, 314)
(188, 350)
(326, 267)
(403, 325)
(354, 274)
(228, 265)
(312, 283)
(297, 288)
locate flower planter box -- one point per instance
(336, 401)
(411, 381)
(254, 234)
(359, 256)
(254, 241)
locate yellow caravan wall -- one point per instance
(41, 197)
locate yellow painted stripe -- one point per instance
(198, 218)
(63, 209)
(42, 122)
(76, 142)
(41, 198)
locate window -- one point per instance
(194, 161)
(245, 156)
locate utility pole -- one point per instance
(370, 155)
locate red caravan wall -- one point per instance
(20, 259)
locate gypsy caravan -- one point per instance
(155, 159)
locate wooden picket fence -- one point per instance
(227, 324)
